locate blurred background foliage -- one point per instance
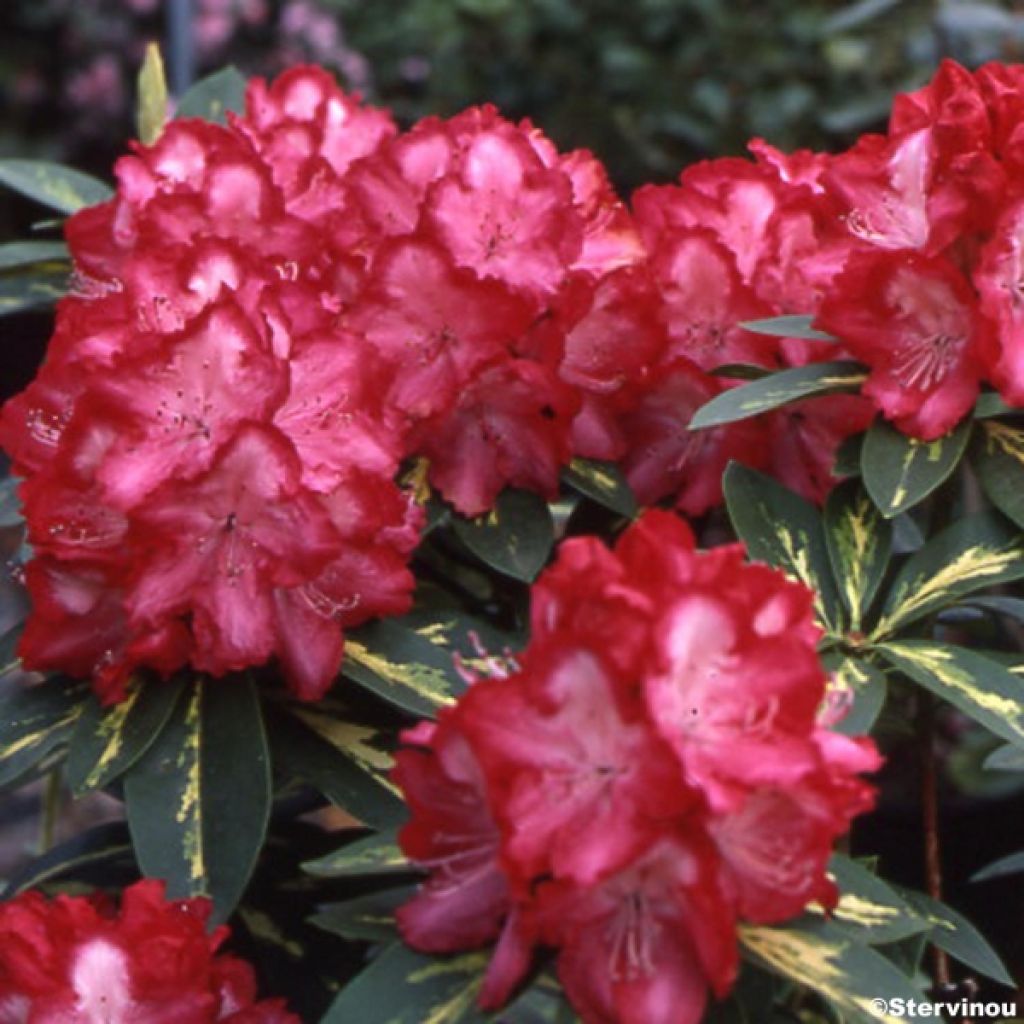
(649, 85)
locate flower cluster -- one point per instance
(625, 803)
(266, 320)
(211, 445)
(81, 960)
(734, 241)
(272, 315)
(209, 472)
(932, 301)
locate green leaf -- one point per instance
(198, 800)
(34, 721)
(797, 326)
(1013, 607)
(952, 932)
(24, 254)
(859, 545)
(9, 659)
(151, 114)
(973, 553)
(338, 758)
(865, 686)
(869, 910)
(1010, 865)
(515, 537)
(73, 858)
(603, 482)
(998, 457)
(10, 503)
(212, 97)
(403, 666)
(778, 389)
(366, 918)
(980, 687)
(783, 529)
(404, 987)
(991, 404)
(741, 371)
(847, 460)
(900, 471)
(1008, 758)
(378, 854)
(108, 741)
(32, 288)
(847, 975)
(60, 188)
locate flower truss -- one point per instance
(79, 960)
(627, 803)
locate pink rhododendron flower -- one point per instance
(627, 803)
(80, 960)
(914, 321)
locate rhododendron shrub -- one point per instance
(628, 805)
(334, 565)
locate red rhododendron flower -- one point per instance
(664, 458)
(999, 278)
(625, 803)
(642, 946)
(78, 960)
(738, 241)
(914, 321)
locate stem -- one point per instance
(930, 812)
(50, 810)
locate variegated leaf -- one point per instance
(869, 909)
(105, 846)
(196, 819)
(604, 483)
(851, 977)
(25, 254)
(778, 389)
(402, 665)
(60, 188)
(380, 805)
(859, 545)
(858, 683)
(35, 720)
(958, 937)
(515, 537)
(108, 741)
(366, 918)
(378, 854)
(32, 287)
(998, 456)
(151, 112)
(980, 687)
(404, 987)
(899, 471)
(785, 530)
(340, 759)
(974, 553)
